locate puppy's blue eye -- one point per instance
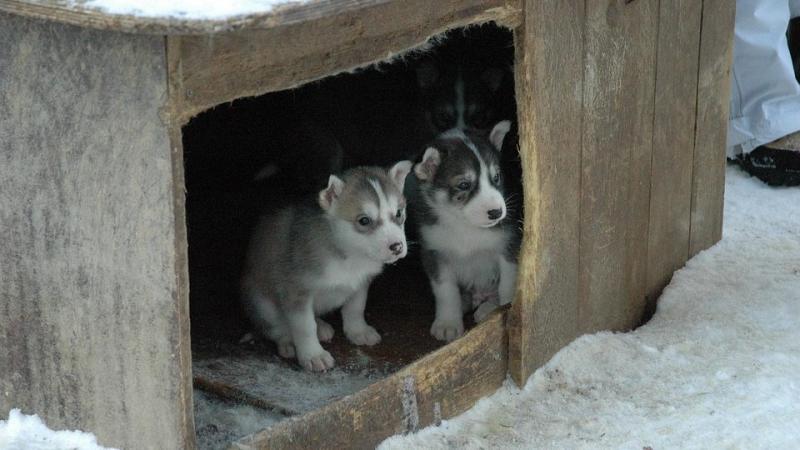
(464, 185)
(364, 221)
(399, 213)
(496, 178)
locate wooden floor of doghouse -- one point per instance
(249, 370)
(438, 386)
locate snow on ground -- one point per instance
(717, 367)
(23, 432)
(184, 9)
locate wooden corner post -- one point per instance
(549, 79)
(93, 326)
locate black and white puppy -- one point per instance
(469, 245)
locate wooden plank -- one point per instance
(239, 395)
(93, 314)
(713, 102)
(286, 388)
(440, 385)
(181, 270)
(615, 171)
(673, 142)
(79, 13)
(549, 80)
(221, 68)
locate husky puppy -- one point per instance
(308, 259)
(469, 245)
(459, 96)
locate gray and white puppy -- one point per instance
(468, 246)
(308, 259)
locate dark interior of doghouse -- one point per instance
(244, 158)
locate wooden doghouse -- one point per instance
(622, 116)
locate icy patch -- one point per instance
(218, 422)
(716, 367)
(184, 9)
(21, 431)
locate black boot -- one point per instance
(776, 163)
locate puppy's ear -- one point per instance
(426, 169)
(427, 74)
(493, 77)
(398, 173)
(329, 195)
(498, 133)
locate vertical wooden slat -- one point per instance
(713, 102)
(181, 241)
(549, 80)
(673, 142)
(91, 306)
(617, 139)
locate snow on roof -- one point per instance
(178, 16)
(184, 9)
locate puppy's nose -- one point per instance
(396, 248)
(495, 213)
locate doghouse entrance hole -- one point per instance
(244, 157)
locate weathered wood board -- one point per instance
(549, 80)
(92, 312)
(623, 110)
(713, 91)
(619, 78)
(270, 383)
(673, 143)
(438, 386)
(220, 68)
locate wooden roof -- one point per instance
(76, 13)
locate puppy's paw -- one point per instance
(324, 330)
(447, 330)
(365, 335)
(483, 311)
(318, 361)
(286, 348)
(480, 297)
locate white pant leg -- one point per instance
(765, 97)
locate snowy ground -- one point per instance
(717, 367)
(23, 432)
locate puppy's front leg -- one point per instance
(355, 327)
(449, 323)
(507, 288)
(303, 328)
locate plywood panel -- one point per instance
(220, 68)
(617, 132)
(713, 102)
(673, 142)
(549, 81)
(438, 386)
(93, 311)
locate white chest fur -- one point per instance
(471, 253)
(459, 239)
(340, 279)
